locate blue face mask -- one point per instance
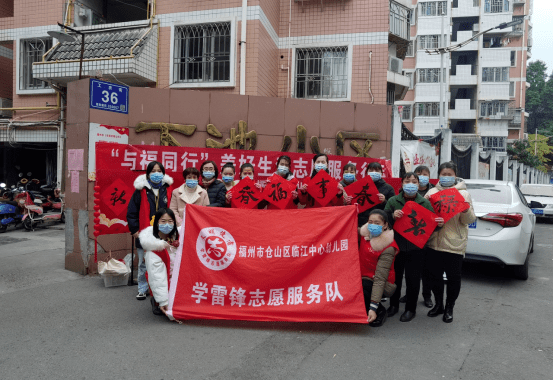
(166, 228)
(410, 189)
(156, 177)
(375, 175)
(424, 180)
(447, 181)
(250, 176)
(349, 177)
(191, 183)
(208, 174)
(282, 170)
(319, 166)
(228, 179)
(375, 230)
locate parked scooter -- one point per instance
(34, 213)
(10, 212)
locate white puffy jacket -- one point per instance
(157, 271)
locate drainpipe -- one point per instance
(61, 145)
(288, 93)
(521, 130)
(243, 48)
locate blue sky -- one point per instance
(542, 20)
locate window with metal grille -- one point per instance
(32, 51)
(202, 53)
(496, 6)
(410, 76)
(428, 109)
(399, 20)
(494, 143)
(322, 73)
(433, 8)
(513, 58)
(411, 49)
(406, 113)
(493, 108)
(512, 89)
(430, 41)
(428, 75)
(495, 74)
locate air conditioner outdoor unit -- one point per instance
(476, 27)
(83, 16)
(396, 65)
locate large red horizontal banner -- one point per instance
(302, 271)
(118, 165)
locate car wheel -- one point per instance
(521, 271)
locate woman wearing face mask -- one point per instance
(246, 170)
(348, 178)
(376, 257)
(215, 188)
(386, 191)
(446, 247)
(320, 163)
(151, 194)
(160, 242)
(424, 179)
(188, 193)
(411, 258)
(285, 171)
(227, 175)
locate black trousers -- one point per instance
(426, 290)
(367, 291)
(438, 262)
(410, 262)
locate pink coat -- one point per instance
(179, 201)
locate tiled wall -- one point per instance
(6, 8)
(6, 70)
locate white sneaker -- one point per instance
(141, 296)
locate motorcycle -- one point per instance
(34, 213)
(10, 212)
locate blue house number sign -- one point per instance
(109, 97)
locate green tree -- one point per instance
(522, 151)
(540, 148)
(539, 98)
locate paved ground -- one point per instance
(57, 324)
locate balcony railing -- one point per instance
(399, 20)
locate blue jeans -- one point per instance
(142, 283)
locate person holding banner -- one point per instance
(424, 186)
(160, 242)
(215, 188)
(411, 257)
(446, 247)
(246, 170)
(386, 191)
(377, 252)
(285, 171)
(151, 194)
(188, 193)
(320, 162)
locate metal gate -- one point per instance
(462, 159)
(487, 161)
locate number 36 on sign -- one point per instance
(109, 97)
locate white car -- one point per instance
(504, 229)
(540, 198)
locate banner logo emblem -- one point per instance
(216, 248)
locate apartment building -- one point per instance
(333, 50)
(484, 82)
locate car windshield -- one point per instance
(490, 193)
(533, 190)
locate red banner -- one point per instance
(245, 195)
(448, 203)
(417, 224)
(278, 191)
(302, 271)
(364, 193)
(125, 162)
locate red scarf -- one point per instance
(144, 219)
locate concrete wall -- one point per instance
(270, 117)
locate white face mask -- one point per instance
(250, 176)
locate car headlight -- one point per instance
(548, 206)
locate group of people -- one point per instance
(155, 212)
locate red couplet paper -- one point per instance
(323, 188)
(251, 271)
(364, 193)
(278, 191)
(417, 224)
(448, 203)
(245, 194)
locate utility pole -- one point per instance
(442, 74)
